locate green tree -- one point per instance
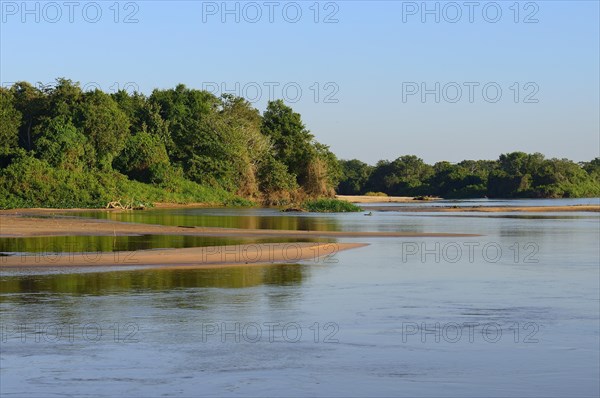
(10, 120)
(245, 145)
(185, 110)
(62, 145)
(105, 125)
(563, 178)
(275, 181)
(593, 169)
(292, 142)
(515, 174)
(63, 99)
(467, 179)
(323, 171)
(32, 104)
(355, 175)
(144, 159)
(405, 176)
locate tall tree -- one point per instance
(105, 125)
(246, 145)
(292, 142)
(32, 103)
(355, 175)
(62, 145)
(10, 120)
(144, 158)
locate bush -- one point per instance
(31, 182)
(144, 159)
(370, 193)
(330, 206)
(239, 202)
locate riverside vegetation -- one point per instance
(513, 175)
(63, 147)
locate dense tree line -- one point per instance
(63, 147)
(513, 175)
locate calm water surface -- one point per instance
(512, 313)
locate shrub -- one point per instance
(329, 206)
(31, 182)
(370, 193)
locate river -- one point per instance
(514, 312)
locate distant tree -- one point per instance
(466, 179)
(10, 120)
(563, 178)
(377, 181)
(439, 182)
(355, 175)
(407, 175)
(593, 168)
(514, 175)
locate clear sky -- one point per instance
(374, 80)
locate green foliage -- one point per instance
(62, 147)
(239, 202)
(405, 176)
(513, 175)
(32, 104)
(193, 140)
(292, 142)
(10, 120)
(563, 178)
(182, 144)
(244, 144)
(371, 193)
(105, 125)
(355, 175)
(328, 205)
(467, 179)
(315, 167)
(593, 169)
(276, 182)
(31, 182)
(144, 159)
(324, 171)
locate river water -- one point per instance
(514, 312)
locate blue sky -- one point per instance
(351, 69)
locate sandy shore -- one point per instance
(196, 257)
(13, 225)
(487, 209)
(381, 199)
